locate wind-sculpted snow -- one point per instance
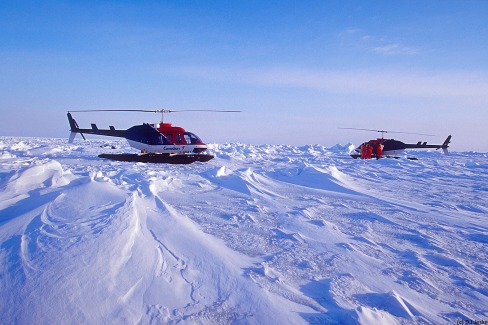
(269, 234)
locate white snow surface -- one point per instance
(269, 234)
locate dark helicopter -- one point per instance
(158, 142)
(391, 148)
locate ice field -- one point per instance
(268, 234)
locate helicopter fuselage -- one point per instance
(163, 139)
(391, 147)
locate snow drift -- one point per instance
(259, 235)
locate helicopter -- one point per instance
(158, 143)
(391, 148)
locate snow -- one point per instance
(269, 234)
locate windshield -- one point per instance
(192, 138)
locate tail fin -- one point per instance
(445, 145)
(72, 136)
(74, 128)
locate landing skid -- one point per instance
(356, 156)
(409, 158)
(157, 158)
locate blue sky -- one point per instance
(298, 70)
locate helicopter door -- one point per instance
(179, 140)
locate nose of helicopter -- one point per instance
(200, 148)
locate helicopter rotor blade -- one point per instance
(200, 110)
(363, 129)
(161, 111)
(384, 131)
(428, 135)
(154, 110)
(116, 110)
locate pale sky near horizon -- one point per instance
(298, 70)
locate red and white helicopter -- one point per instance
(391, 148)
(158, 143)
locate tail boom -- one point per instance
(424, 145)
(112, 132)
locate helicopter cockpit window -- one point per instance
(191, 138)
(178, 138)
(187, 139)
(169, 137)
